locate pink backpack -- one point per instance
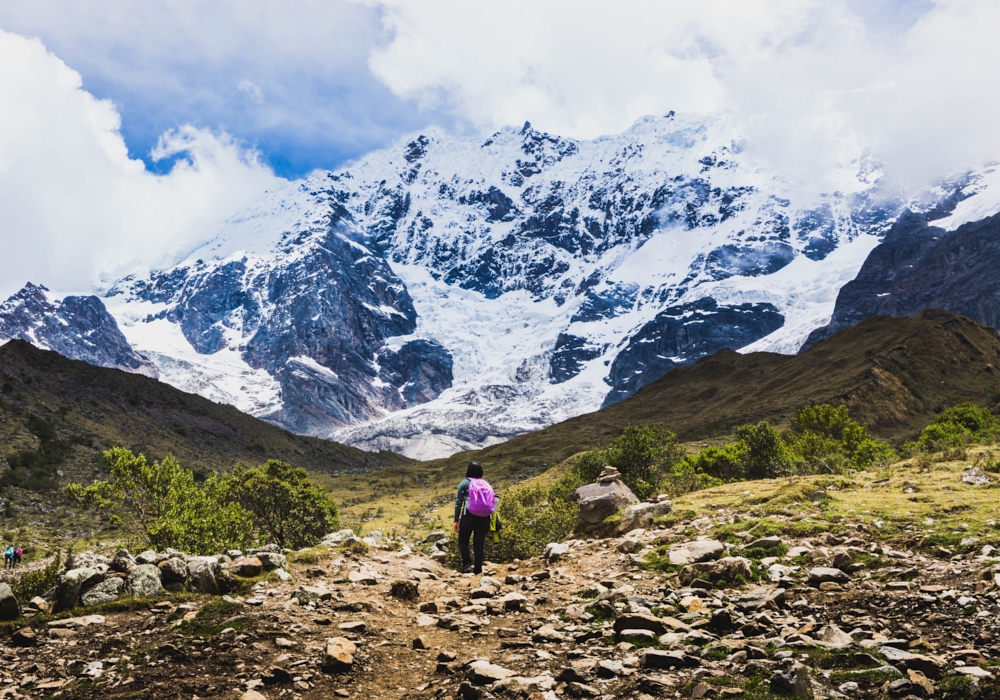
(482, 500)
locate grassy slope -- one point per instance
(118, 408)
(893, 373)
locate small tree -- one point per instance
(286, 507)
(161, 505)
(766, 456)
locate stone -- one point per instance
(665, 660)
(365, 578)
(312, 594)
(636, 636)
(554, 551)
(776, 572)
(971, 671)
(73, 622)
(9, 607)
(696, 551)
(641, 515)
(336, 538)
(253, 695)
(640, 622)
(39, 604)
(173, 570)
(144, 581)
(148, 557)
(122, 562)
(272, 560)
(203, 575)
(759, 598)
(823, 574)
(794, 682)
(247, 567)
(484, 673)
(841, 560)
(71, 584)
(974, 477)
(609, 669)
(106, 591)
(765, 543)
(832, 637)
(728, 569)
(357, 627)
(598, 501)
(513, 601)
(24, 637)
(339, 655)
(421, 642)
(547, 634)
(930, 666)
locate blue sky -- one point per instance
(290, 79)
(221, 99)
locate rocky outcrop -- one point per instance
(77, 327)
(681, 334)
(921, 266)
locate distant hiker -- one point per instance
(18, 553)
(475, 502)
(8, 557)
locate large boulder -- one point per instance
(72, 584)
(247, 567)
(640, 516)
(173, 573)
(203, 575)
(598, 501)
(123, 562)
(9, 608)
(272, 560)
(824, 574)
(106, 591)
(144, 581)
(337, 538)
(696, 551)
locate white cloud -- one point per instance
(251, 90)
(73, 201)
(818, 80)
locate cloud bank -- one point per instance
(818, 80)
(74, 204)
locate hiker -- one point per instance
(18, 553)
(8, 558)
(475, 503)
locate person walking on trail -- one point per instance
(475, 503)
(8, 558)
(18, 553)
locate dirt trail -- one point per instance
(591, 624)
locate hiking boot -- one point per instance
(467, 570)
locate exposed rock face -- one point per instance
(681, 334)
(78, 327)
(919, 266)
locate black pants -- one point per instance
(477, 527)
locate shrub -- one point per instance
(286, 507)
(938, 436)
(766, 456)
(641, 454)
(32, 583)
(825, 438)
(975, 418)
(162, 506)
(872, 453)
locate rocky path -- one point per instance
(829, 616)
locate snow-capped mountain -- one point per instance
(451, 293)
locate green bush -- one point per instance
(938, 436)
(642, 454)
(162, 504)
(766, 456)
(975, 418)
(33, 583)
(824, 438)
(285, 506)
